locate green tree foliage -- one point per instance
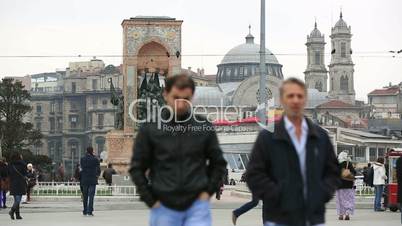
(16, 132)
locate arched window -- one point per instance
(344, 83)
(318, 86)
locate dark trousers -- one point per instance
(88, 194)
(245, 208)
(2, 198)
(16, 204)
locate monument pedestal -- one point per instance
(120, 148)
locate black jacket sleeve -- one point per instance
(140, 163)
(217, 164)
(258, 178)
(98, 170)
(332, 173)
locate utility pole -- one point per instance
(263, 77)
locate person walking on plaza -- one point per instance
(379, 182)
(345, 195)
(108, 174)
(246, 207)
(31, 176)
(177, 164)
(17, 172)
(60, 172)
(4, 183)
(294, 169)
(90, 171)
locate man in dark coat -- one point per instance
(294, 170)
(90, 171)
(399, 178)
(178, 165)
(17, 171)
(108, 174)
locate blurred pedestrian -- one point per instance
(108, 174)
(77, 172)
(294, 169)
(90, 171)
(60, 172)
(379, 182)
(246, 207)
(17, 171)
(183, 157)
(345, 195)
(4, 183)
(31, 176)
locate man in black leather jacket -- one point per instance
(177, 164)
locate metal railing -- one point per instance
(73, 189)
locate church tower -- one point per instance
(341, 68)
(316, 73)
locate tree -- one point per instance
(16, 132)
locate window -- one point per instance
(317, 58)
(228, 71)
(73, 87)
(94, 101)
(52, 107)
(52, 124)
(343, 49)
(60, 107)
(94, 84)
(360, 154)
(104, 102)
(318, 86)
(344, 83)
(59, 124)
(381, 152)
(241, 71)
(38, 125)
(373, 154)
(73, 106)
(100, 121)
(73, 121)
(38, 109)
(90, 121)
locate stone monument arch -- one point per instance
(150, 45)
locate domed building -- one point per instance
(238, 77)
(243, 61)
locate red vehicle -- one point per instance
(392, 191)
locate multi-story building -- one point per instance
(72, 108)
(386, 102)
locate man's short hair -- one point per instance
(180, 81)
(90, 150)
(292, 80)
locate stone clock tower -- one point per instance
(341, 68)
(151, 44)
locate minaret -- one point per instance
(316, 73)
(341, 68)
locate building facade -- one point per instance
(72, 109)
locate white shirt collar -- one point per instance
(290, 127)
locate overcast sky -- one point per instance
(92, 27)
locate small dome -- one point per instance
(315, 33)
(341, 22)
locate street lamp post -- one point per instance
(263, 77)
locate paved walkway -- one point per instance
(221, 217)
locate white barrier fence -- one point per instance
(73, 189)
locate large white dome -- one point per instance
(248, 52)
